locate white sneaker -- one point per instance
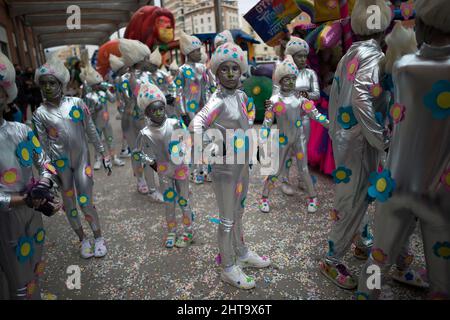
(207, 177)
(86, 249)
(253, 260)
(264, 205)
(125, 153)
(117, 162)
(312, 205)
(156, 196)
(97, 164)
(287, 189)
(411, 277)
(236, 277)
(100, 247)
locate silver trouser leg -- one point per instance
(182, 187)
(269, 183)
(351, 202)
(301, 154)
(21, 246)
(83, 185)
(167, 185)
(229, 183)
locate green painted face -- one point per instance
(156, 112)
(50, 86)
(229, 74)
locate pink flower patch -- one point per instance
(308, 106)
(162, 167)
(397, 112)
(279, 108)
(9, 177)
(352, 69)
(376, 90)
(2, 67)
(407, 10)
(181, 172)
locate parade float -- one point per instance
(325, 25)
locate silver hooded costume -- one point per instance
(133, 121)
(62, 131)
(165, 83)
(97, 102)
(156, 146)
(194, 86)
(288, 110)
(357, 139)
(227, 109)
(419, 165)
(22, 234)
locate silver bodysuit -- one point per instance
(22, 234)
(62, 131)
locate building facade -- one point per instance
(18, 41)
(198, 16)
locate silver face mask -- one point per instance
(50, 86)
(229, 74)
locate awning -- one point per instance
(99, 19)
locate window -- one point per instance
(201, 20)
(209, 19)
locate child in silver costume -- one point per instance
(97, 100)
(289, 110)
(227, 109)
(22, 233)
(62, 124)
(417, 176)
(159, 146)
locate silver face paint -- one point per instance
(195, 56)
(300, 60)
(229, 74)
